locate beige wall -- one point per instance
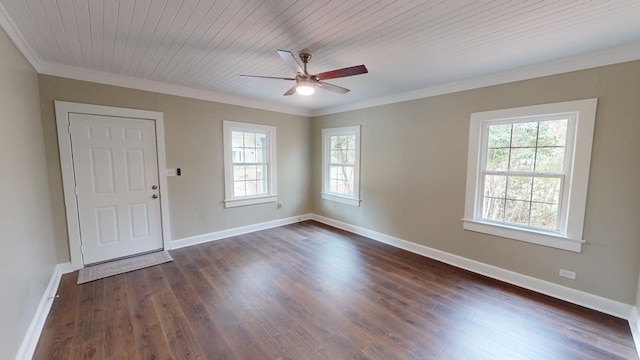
(28, 252)
(193, 139)
(413, 172)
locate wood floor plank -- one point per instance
(309, 291)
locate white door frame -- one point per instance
(63, 109)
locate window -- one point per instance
(249, 163)
(341, 165)
(528, 171)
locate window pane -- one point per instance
(351, 157)
(519, 188)
(250, 172)
(261, 141)
(546, 190)
(517, 212)
(495, 186)
(493, 209)
(524, 134)
(237, 155)
(499, 135)
(237, 139)
(550, 159)
(350, 142)
(498, 159)
(553, 133)
(250, 155)
(336, 157)
(522, 159)
(239, 173)
(249, 139)
(345, 173)
(261, 156)
(333, 186)
(261, 172)
(544, 216)
(251, 187)
(238, 188)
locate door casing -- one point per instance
(63, 109)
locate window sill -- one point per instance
(341, 199)
(250, 201)
(534, 237)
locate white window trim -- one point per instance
(227, 128)
(570, 237)
(326, 136)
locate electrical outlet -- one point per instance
(567, 274)
(280, 204)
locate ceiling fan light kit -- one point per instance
(305, 87)
(305, 82)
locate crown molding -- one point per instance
(18, 40)
(101, 77)
(614, 55)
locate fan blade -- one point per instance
(268, 77)
(288, 57)
(291, 91)
(331, 87)
(349, 71)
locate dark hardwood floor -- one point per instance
(308, 291)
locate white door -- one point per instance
(116, 175)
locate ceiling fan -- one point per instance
(305, 82)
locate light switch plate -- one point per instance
(171, 172)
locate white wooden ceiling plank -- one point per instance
(243, 47)
(205, 15)
(52, 48)
(525, 23)
(152, 31)
(187, 35)
(526, 27)
(182, 18)
(263, 58)
(111, 21)
(230, 21)
(227, 45)
(70, 30)
(406, 18)
(136, 26)
(83, 27)
(158, 38)
(205, 35)
(303, 20)
(464, 29)
(361, 19)
(125, 16)
(52, 14)
(96, 21)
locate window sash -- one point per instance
(579, 134)
(256, 189)
(567, 166)
(348, 191)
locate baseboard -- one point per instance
(634, 324)
(222, 234)
(32, 336)
(578, 297)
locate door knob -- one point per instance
(154, 196)
(154, 187)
